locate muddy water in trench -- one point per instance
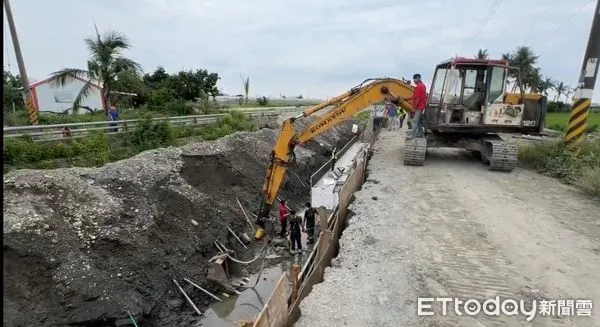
(247, 306)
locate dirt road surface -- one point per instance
(454, 229)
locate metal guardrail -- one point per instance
(327, 166)
(75, 130)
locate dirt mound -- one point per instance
(83, 246)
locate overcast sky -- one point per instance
(317, 48)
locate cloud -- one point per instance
(310, 47)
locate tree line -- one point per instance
(159, 90)
(531, 79)
(119, 76)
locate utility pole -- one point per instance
(31, 111)
(585, 88)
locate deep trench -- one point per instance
(151, 239)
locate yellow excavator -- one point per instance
(467, 107)
(346, 106)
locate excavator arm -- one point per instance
(346, 105)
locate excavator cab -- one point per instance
(468, 96)
(468, 108)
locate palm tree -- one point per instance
(246, 82)
(105, 63)
(511, 75)
(524, 60)
(569, 90)
(482, 54)
(533, 81)
(560, 89)
(545, 85)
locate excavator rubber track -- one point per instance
(503, 156)
(414, 151)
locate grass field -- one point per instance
(558, 121)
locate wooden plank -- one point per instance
(295, 282)
(322, 212)
(324, 241)
(323, 252)
(275, 311)
(315, 277)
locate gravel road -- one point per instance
(454, 229)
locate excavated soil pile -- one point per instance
(83, 246)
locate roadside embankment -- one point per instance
(581, 169)
(83, 246)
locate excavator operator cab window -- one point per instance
(473, 87)
(497, 84)
(437, 89)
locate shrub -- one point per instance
(179, 108)
(237, 120)
(207, 106)
(554, 106)
(580, 168)
(149, 135)
(161, 97)
(23, 152)
(589, 181)
(91, 150)
(232, 122)
(20, 151)
(98, 148)
(364, 116)
(592, 128)
(262, 101)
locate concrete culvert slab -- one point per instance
(83, 246)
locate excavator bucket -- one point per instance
(224, 272)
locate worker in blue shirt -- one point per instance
(113, 115)
(392, 114)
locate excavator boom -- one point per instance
(347, 105)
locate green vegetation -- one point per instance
(97, 149)
(157, 93)
(581, 168)
(531, 79)
(258, 102)
(12, 94)
(363, 116)
(104, 67)
(246, 82)
(558, 121)
(20, 117)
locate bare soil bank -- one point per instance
(82, 246)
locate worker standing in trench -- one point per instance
(309, 223)
(333, 158)
(296, 230)
(283, 216)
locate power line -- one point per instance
(551, 34)
(484, 20)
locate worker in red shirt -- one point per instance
(283, 215)
(419, 101)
